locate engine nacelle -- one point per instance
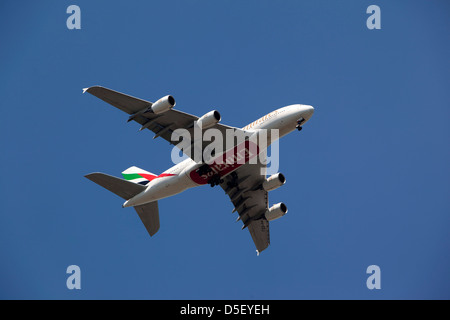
(164, 104)
(276, 211)
(274, 181)
(208, 120)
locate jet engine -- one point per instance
(162, 105)
(208, 120)
(276, 211)
(274, 181)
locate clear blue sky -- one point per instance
(368, 179)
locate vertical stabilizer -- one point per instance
(138, 175)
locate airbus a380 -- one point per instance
(244, 181)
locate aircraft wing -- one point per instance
(250, 200)
(162, 125)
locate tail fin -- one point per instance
(149, 212)
(137, 175)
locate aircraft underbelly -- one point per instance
(162, 188)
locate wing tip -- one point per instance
(87, 89)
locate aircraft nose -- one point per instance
(307, 111)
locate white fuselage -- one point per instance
(183, 175)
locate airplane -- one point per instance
(245, 182)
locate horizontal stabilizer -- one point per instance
(124, 189)
(149, 214)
